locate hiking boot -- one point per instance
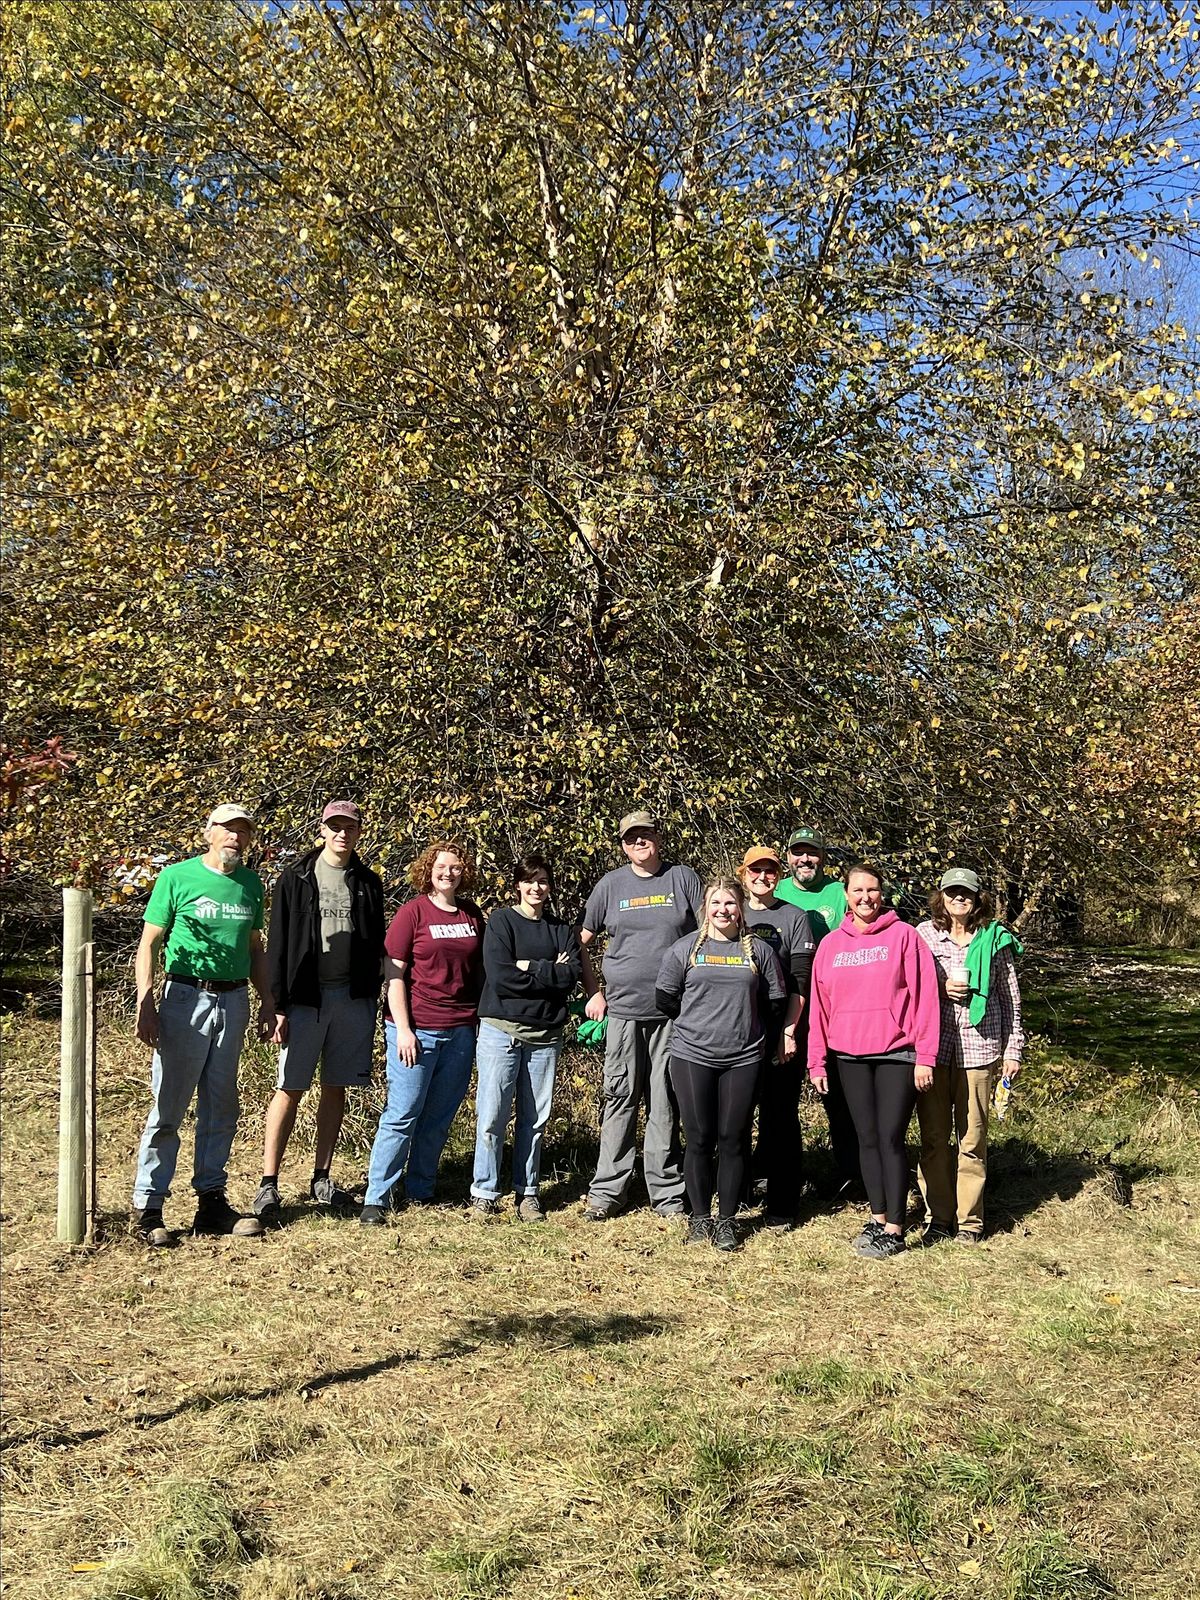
(214, 1214)
(869, 1230)
(778, 1223)
(373, 1217)
(670, 1208)
(266, 1204)
(148, 1226)
(699, 1230)
(324, 1192)
(725, 1234)
(529, 1209)
(968, 1236)
(882, 1247)
(593, 1213)
(481, 1207)
(936, 1233)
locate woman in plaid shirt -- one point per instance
(962, 920)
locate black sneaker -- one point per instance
(266, 1204)
(214, 1214)
(936, 1233)
(373, 1217)
(594, 1213)
(149, 1228)
(324, 1192)
(870, 1229)
(725, 1234)
(882, 1247)
(699, 1230)
(968, 1236)
(778, 1223)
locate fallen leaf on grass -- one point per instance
(970, 1569)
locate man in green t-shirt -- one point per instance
(209, 911)
(824, 899)
(808, 887)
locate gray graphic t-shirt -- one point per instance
(333, 961)
(723, 1000)
(642, 918)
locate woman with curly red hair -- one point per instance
(434, 970)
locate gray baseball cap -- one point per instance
(960, 878)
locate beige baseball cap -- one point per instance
(638, 819)
(230, 812)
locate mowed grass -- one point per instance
(450, 1408)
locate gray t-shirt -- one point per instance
(334, 901)
(786, 929)
(642, 918)
(723, 1000)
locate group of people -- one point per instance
(712, 1000)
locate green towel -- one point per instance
(981, 952)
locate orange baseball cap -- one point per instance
(761, 852)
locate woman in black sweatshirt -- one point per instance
(530, 964)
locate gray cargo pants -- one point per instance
(636, 1058)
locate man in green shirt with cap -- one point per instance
(208, 913)
(808, 887)
(824, 899)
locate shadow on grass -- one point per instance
(551, 1330)
(1023, 1176)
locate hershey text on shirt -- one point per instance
(451, 930)
(861, 958)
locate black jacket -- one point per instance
(537, 997)
(294, 937)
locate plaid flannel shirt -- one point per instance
(999, 1035)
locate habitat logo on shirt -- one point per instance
(216, 910)
(639, 902)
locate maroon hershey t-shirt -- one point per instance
(444, 953)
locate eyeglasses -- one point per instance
(641, 836)
(342, 827)
(959, 894)
(762, 872)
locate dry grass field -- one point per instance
(450, 1407)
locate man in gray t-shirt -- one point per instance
(641, 908)
(335, 902)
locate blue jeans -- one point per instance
(199, 1042)
(507, 1068)
(421, 1102)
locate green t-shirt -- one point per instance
(209, 917)
(826, 905)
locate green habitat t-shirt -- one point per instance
(826, 906)
(209, 917)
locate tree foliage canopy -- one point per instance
(508, 412)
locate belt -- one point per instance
(207, 985)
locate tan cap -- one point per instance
(761, 852)
(230, 812)
(637, 819)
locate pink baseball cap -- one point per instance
(342, 808)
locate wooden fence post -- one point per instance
(74, 1163)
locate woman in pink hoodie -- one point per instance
(875, 1008)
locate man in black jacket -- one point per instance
(324, 954)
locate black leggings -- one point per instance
(881, 1095)
(716, 1105)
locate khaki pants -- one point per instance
(958, 1102)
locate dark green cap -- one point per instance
(806, 836)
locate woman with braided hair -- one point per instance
(726, 991)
